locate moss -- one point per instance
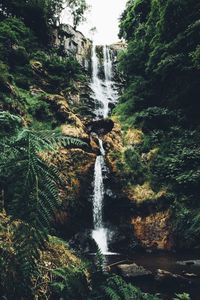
(144, 192)
(134, 136)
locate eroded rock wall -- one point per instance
(74, 43)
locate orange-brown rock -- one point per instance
(73, 165)
(154, 231)
(74, 131)
(113, 139)
(114, 146)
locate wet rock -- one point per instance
(100, 127)
(34, 91)
(189, 262)
(168, 278)
(122, 240)
(133, 271)
(119, 46)
(94, 144)
(114, 142)
(190, 275)
(83, 242)
(80, 99)
(111, 105)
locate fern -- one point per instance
(70, 283)
(113, 287)
(183, 296)
(111, 294)
(30, 185)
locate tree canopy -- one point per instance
(40, 15)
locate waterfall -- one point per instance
(99, 233)
(103, 95)
(103, 89)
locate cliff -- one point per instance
(73, 43)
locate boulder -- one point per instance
(189, 262)
(133, 271)
(100, 127)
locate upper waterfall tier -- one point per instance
(102, 84)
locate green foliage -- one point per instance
(37, 15)
(15, 40)
(91, 282)
(30, 186)
(41, 15)
(183, 296)
(70, 283)
(134, 165)
(77, 9)
(113, 287)
(154, 117)
(161, 67)
(176, 166)
(160, 53)
(4, 74)
(62, 70)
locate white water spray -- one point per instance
(103, 95)
(99, 233)
(103, 89)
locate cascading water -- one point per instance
(102, 89)
(99, 233)
(103, 95)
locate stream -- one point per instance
(173, 262)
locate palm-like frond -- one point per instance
(30, 184)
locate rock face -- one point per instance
(75, 167)
(118, 46)
(148, 209)
(154, 230)
(73, 43)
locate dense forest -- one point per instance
(46, 147)
(161, 98)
